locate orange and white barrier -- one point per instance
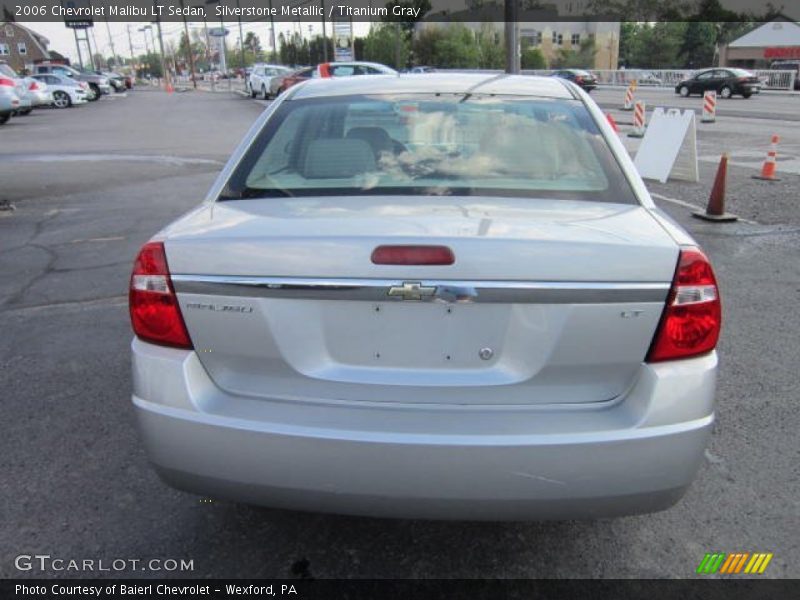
(639, 119)
(768, 168)
(709, 107)
(628, 102)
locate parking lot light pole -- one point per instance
(512, 36)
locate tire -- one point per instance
(684, 91)
(61, 99)
(264, 92)
(252, 91)
(725, 92)
(96, 91)
(4, 118)
(24, 111)
(747, 95)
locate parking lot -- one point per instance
(91, 184)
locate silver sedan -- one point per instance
(447, 296)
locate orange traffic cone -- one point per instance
(715, 211)
(768, 168)
(612, 122)
(170, 89)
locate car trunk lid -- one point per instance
(547, 301)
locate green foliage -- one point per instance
(583, 57)
(388, 44)
(457, 49)
(655, 46)
(490, 47)
(698, 46)
(424, 46)
(532, 58)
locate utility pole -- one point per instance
(163, 56)
(324, 34)
(130, 46)
(111, 40)
(274, 57)
(189, 49)
(512, 36)
(241, 45)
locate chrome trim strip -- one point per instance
(447, 291)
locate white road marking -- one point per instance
(99, 239)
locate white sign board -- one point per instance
(669, 147)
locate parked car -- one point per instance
(9, 100)
(788, 65)
(419, 70)
(99, 84)
(335, 69)
(726, 82)
(66, 91)
(648, 78)
(348, 69)
(12, 80)
(579, 77)
(261, 75)
(286, 81)
(373, 315)
(116, 80)
(38, 92)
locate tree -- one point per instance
(699, 44)
(252, 46)
(387, 44)
(490, 47)
(532, 58)
(457, 49)
(583, 57)
(424, 45)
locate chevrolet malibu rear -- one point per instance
(443, 297)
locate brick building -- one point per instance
(20, 46)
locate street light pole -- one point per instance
(512, 36)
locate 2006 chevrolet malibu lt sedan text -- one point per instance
(437, 296)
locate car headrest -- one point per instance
(338, 159)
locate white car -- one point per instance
(260, 77)
(448, 296)
(65, 90)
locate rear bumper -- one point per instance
(637, 454)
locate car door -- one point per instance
(702, 82)
(723, 77)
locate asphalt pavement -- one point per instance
(91, 184)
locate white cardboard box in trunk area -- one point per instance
(669, 147)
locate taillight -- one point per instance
(578, 79)
(155, 314)
(413, 255)
(33, 86)
(7, 82)
(692, 318)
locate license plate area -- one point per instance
(415, 335)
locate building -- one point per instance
(776, 40)
(20, 46)
(548, 33)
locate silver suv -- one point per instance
(260, 77)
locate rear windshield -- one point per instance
(431, 145)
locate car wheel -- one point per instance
(684, 91)
(24, 111)
(4, 117)
(726, 92)
(264, 92)
(96, 92)
(61, 99)
(747, 94)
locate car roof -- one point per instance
(431, 83)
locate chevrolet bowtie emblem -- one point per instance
(411, 290)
